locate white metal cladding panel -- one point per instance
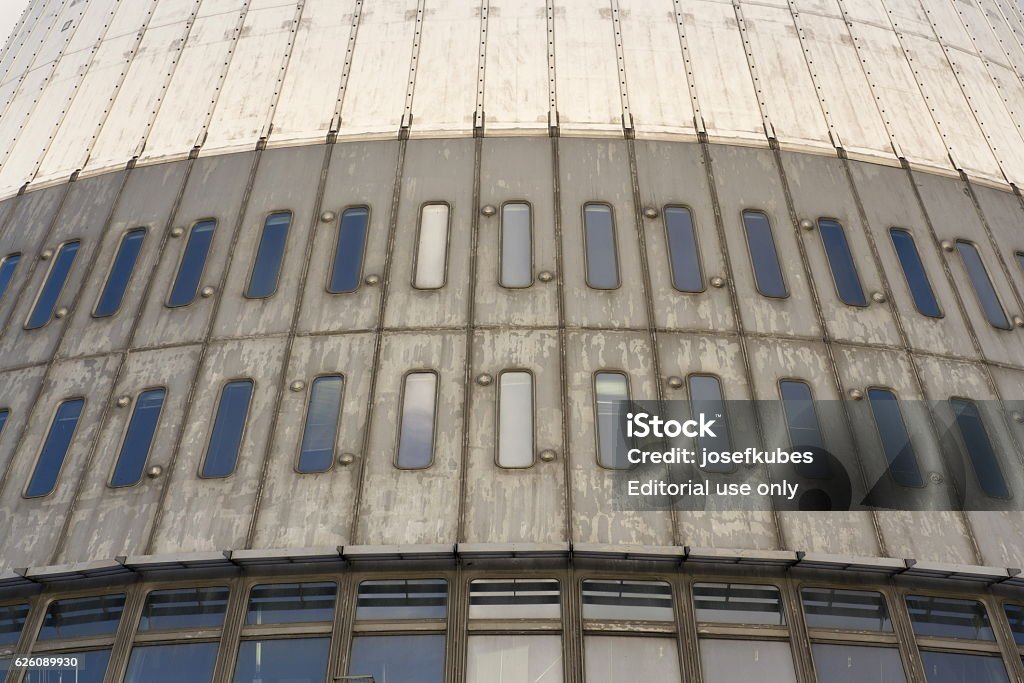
(586, 69)
(947, 24)
(725, 92)
(25, 59)
(447, 68)
(869, 11)
(309, 94)
(1012, 93)
(96, 16)
(908, 16)
(659, 97)
(1013, 22)
(984, 39)
(253, 79)
(172, 11)
(1008, 42)
(27, 38)
(61, 31)
(826, 8)
(375, 94)
(516, 72)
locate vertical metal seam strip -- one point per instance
(414, 59)
(231, 631)
(805, 48)
(691, 83)
(552, 82)
(748, 52)
(236, 34)
(481, 70)
(346, 69)
(267, 127)
(620, 59)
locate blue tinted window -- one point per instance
(7, 268)
(914, 273)
(178, 608)
(52, 287)
(4, 414)
(92, 667)
(265, 271)
(952, 667)
(1015, 615)
(139, 438)
(682, 250)
(402, 599)
(96, 615)
(979, 447)
(840, 261)
(804, 430)
(228, 428)
(416, 433)
(174, 663)
(55, 448)
(599, 245)
(348, 252)
(706, 398)
(291, 603)
(120, 273)
(291, 660)
(12, 620)
(983, 288)
(611, 389)
(190, 271)
(892, 431)
(941, 617)
(399, 659)
(320, 434)
(763, 256)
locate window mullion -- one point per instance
(122, 647)
(909, 652)
(234, 618)
(800, 642)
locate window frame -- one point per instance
(181, 259)
(501, 243)
(615, 246)
(305, 419)
(255, 257)
(750, 255)
(46, 279)
(416, 246)
(124, 434)
(924, 271)
(362, 255)
(881, 441)
(533, 418)
(401, 421)
(110, 269)
(20, 255)
(959, 436)
(853, 262)
(42, 445)
(213, 424)
(725, 415)
(596, 414)
(991, 283)
(696, 246)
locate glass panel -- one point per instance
(892, 431)
(348, 253)
(516, 245)
(291, 603)
(120, 273)
(139, 438)
(416, 435)
(804, 430)
(683, 255)
(432, 249)
(613, 659)
(55, 448)
(738, 603)
(599, 244)
(291, 660)
(7, 268)
(765, 260)
(979, 448)
(4, 414)
(728, 661)
(398, 659)
(1015, 615)
(12, 620)
(80, 617)
(914, 272)
(706, 398)
(515, 419)
(844, 609)
(267, 268)
(610, 600)
(92, 667)
(610, 388)
(1020, 259)
(52, 287)
(192, 662)
(401, 599)
(949, 667)
(857, 664)
(195, 608)
(222, 453)
(514, 659)
(949, 618)
(983, 288)
(840, 262)
(186, 284)
(322, 417)
(514, 599)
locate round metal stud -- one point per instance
(61, 312)
(1017, 417)
(488, 210)
(483, 379)
(675, 382)
(177, 231)
(372, 280)
(154, 471)
(123, 401)
(946, 245)
(718, 282)
(856, 394)
(328, 217)
(1018, 321)
(548, 455)
(650, 212)
(935, 478)
(878, 297)
(206, 292)
(46, 254)
(297, 385)
(346, 459)
(806, 224)
(545, 276)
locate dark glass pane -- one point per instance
(52, 287)
(738, 603)
(627, 600)
(514, 599)
(399, 599)
(1020, 259)
(913, 271)
(950, 667)
(139, 438)
(1015, 615)
(194, 608)
(804, 430)
(348, 253)
(120, 273)
(845, 609)
(416, 438)
(92, 667)
(983, 288)
(611, 389)
(4, 414)
(706, 398)
(192, 662)
(228, 428)
(12, 620)
(55, 448)
(80, 617)
(291, 660)
(399, 659)
(857, 664)
(265, 271)
(599, 244)
(186, 284)
(291, 603)
(683, 255)
(899, 452)
(761, 243)
(840, 261)
(979, 448)
(7, 268)
(320, 434)
(516, 246)
(949, 618)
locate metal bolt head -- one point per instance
(346, 459)
(297, 385)
(123, 401)
(878, 297)
(718, 282)
(177, 231)
(675, 382)
(488, 210)
(806, 224)
(328, 217)
(483, 379)
(545, 276)
(372, 280)
(946, 245)
(61, 312)
(1017, 417)
(206, 292)
(650, 212)
(548, 455)
(1018, 321)
(46, 254)
(856, 394)
(154, 471)
(935, 478)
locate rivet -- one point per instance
(1018, 321)
(328, 217)
(718, 282)
(856, 394)
(878, 297)
(61, 312)
(483, 379)
(177, 232)
(206, 292)
(806, 224)
(123, 401)
(488, 210)
(675, 382)
(650, 212)
(1017, 417)
(154, 471)
(548, 455)
(297, 385)
(46, 254)
(946, 245)
(346, 459)
(372, 280)
(935, 478)
(545, 276)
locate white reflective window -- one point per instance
(516, 245)
(432, 247)
(515, 419)
(514, 659)
(610, 389)
(416, 433)
(728, 661)
(612, 659)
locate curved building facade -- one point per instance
(311, 313)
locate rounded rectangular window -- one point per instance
(896, 444)
(738, 603)
(982, 285)
(683, 255)
(803, 427)
(842, 663)
(7, 269)
(322, 418)
(706, 399)
(515, 419)
(940, 617)
(914, 273)
(120, 273)
(840, 262)
(834, 608)
(138, 439)
(611, 391)
(516, 245)
(763, 256)
(618, 600)
(416, 432)
(979, 447)
(96, 615)
(405, 599)
(55, 448)
(228, 429)
(184, 608)
(600, 247)
(291, 603)
(267, 268)
(46, 302)
(432, 247)
(348, 251)
(193, 263)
